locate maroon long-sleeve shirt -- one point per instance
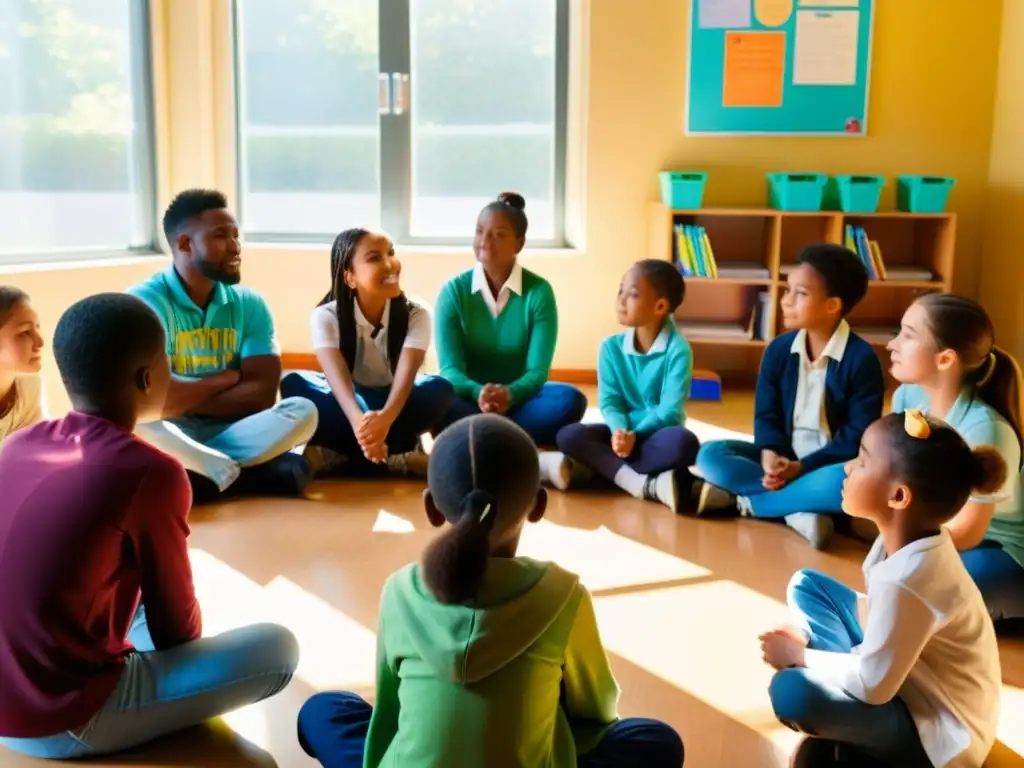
(90, 517)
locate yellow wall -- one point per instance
(1002, 263)
(929, 113)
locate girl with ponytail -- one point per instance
(949, 366)
(472, 631)
(908, 674)
(370, 340)
(21, 389)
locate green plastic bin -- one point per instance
(853, 194)
(682, 190)
(923, 194)
(796, 191)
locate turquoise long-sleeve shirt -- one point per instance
(641, 392)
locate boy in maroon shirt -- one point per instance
(93, 524)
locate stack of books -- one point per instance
(870, 252)
(694, 257)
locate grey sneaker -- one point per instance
(411, 464)
(322, 460)
(711, 498)
(817, 529)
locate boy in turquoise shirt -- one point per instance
(221, 415)
(496, 328)
(485, 658)
(643, 378)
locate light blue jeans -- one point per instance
(161, 692)
(735, 466)
(826, 610)
(220, 449)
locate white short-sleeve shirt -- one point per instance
(372, 367)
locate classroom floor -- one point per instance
(680, 603)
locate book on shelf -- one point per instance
(870, 253)
(693, 254)
(744, 270)
(705, 330)
(760, 315)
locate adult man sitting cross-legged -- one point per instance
(222, 420)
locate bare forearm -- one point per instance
(405, 379)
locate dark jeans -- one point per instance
(591, 445)
(884, 733)
(431, 396)
(999, 577)
(555, 406)
(333, 727)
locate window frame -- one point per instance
(395, 137)
(143, 186)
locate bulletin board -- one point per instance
(779, 67)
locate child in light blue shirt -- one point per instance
(644, 377)
(948, 364)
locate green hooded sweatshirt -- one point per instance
(518, 680)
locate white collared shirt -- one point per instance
(810, 426)
(659, 345)
(514, 284)
(372, 367)
(928, 638)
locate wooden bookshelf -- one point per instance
(773, 239)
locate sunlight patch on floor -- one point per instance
(389, 523)
(251, 724)
(336, 650)
(702, 639)
(604, 559)
(707, 432)
(1011, 718)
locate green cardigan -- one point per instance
(515, 348)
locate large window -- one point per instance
(403, 114)
(76, 166)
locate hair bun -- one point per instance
(513, 199)
(989, 472)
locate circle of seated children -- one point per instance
(194, 358)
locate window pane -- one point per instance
(68, 168)
(483, 111)
(309, 120)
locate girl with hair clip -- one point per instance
(21, 344)
(370, 341)
(472, 632)
(949, 366)
(908, 674)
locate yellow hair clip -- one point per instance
(916, 424)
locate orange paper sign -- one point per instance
(755, 64)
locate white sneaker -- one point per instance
(555, 469)
(322, 460)
(663, 488)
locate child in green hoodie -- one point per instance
(485, 658)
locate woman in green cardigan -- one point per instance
(497, 325)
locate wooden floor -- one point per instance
(680, 604)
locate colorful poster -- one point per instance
(755, 65)
(773, 13)
(724, 14)
(826, 49)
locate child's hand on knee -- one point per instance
(623, 442)
(783, 648)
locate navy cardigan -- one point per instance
(854, 394)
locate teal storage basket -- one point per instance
(682, 190)
(923, 194)
(853, 194)
(796, 191)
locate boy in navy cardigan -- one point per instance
(819, 387)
